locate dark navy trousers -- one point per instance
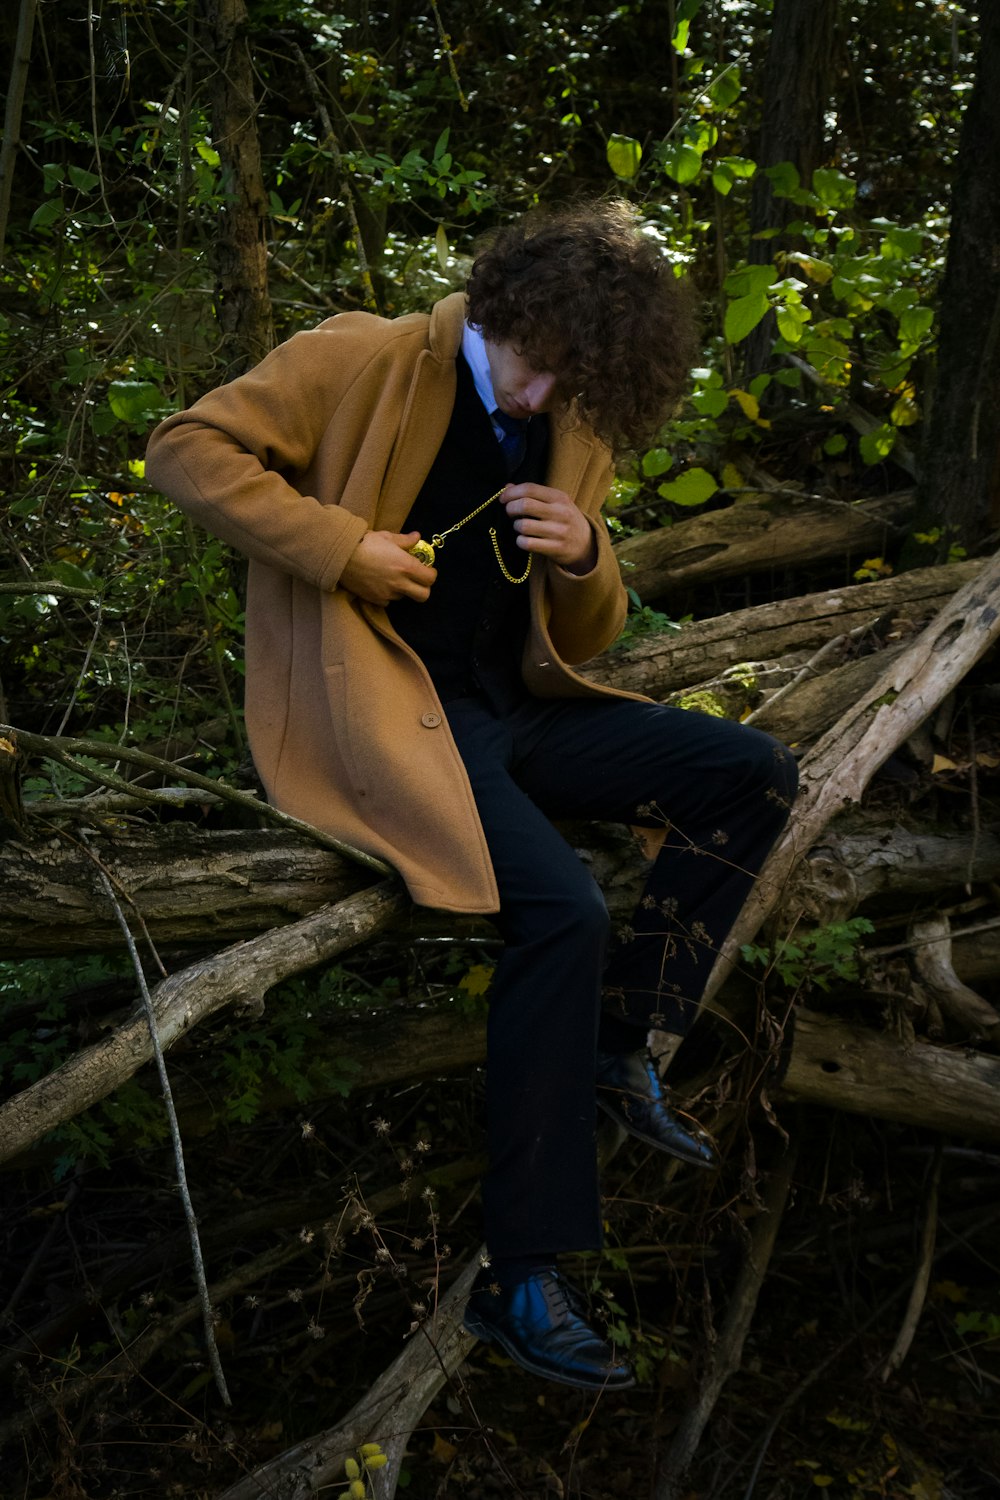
(723, 792)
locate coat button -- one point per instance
(430, 721)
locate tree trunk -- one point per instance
(960, 489)
(796, 91)
(19, 66)
(240, 246)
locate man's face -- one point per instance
(520, 390)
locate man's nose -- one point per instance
(539, 391)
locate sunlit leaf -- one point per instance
(133, 400)
(441, 247)
(682, 162)
(833, 189)
(877, 445)
(743, 315)
(624, 155)
(693, 487)
(657, 461)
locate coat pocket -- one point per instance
(350, 710)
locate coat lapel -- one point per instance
(426, 414)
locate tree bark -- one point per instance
(757, 536)
(795, 94)
(835, 773)
(199, 889)
(19, 65)
(675, 659)
(841, 1066)
(960, 489)
(240, 247)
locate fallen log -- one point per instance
(368, 1051)
(657, 665)
(196, 889)
(891, 865)
(842, 1066)
(386, 1414)
(192, 887)
(777, 531)
(933, 962)
(240, 976)
(834, 774)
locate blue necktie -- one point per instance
(515, 438)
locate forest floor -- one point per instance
(809, 1410)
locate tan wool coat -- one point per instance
(331, 435)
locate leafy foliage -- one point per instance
(820, 957)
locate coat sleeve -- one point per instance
(235, 460)
(587, 611)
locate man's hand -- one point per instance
(547, 521)
(381, 569)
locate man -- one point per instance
(420, 502)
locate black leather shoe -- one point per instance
(540, 1324)
(630, 1091)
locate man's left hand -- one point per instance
(547, 521)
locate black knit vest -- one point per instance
(470, 633)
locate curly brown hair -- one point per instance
(581, 292)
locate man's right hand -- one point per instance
(380, 569)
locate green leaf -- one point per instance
(901, 244)
(25, 507)
(833, 189)
(729, 169)
(693, 487)
(877, 445)
(835, 444)
(133, 400)
(682, 162)
(792, 318)
(722, 179)
(46, 214)
(208, 153)
(624, 155)
(743, 315)
(679, 40)
(85, 181)
(725, 90)
(441, 247)
(915, 323)
(710, 403)
(784, 179)
(656, 462)
(76, 577)
(746, 279)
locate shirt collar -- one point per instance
(474, 350)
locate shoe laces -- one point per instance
(566, 1296)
